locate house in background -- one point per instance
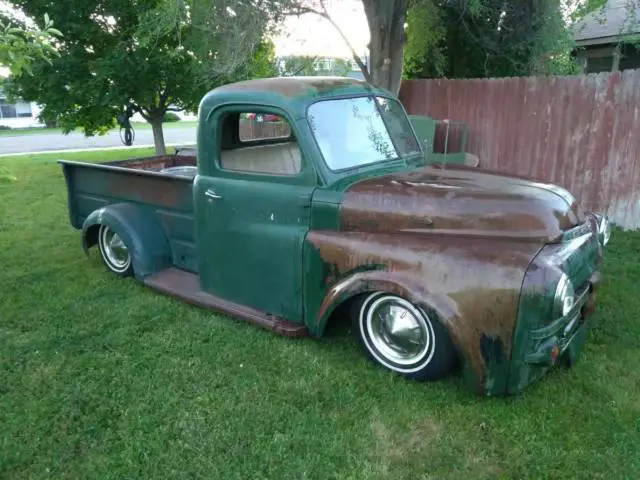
(335, 66)
(323, 65)
(19, 114)
(608, 39)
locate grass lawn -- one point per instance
(101, 378)
(136, 126)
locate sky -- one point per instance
(312, 35)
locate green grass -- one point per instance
(48, 131)
(101, 378)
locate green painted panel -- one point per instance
(425, 129)
(537, 298)
(166, 204)
(139, 229)
(250, 242)
(315, 287)
(325, 210)
(446, 158)
(289, 99)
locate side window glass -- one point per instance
(259, 143)
(262, 126)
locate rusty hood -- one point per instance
(459, 201)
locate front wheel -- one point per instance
(114, 252)
(401, 337)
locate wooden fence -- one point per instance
(254, 130)
(580, 132)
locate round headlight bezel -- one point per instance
(565, 297)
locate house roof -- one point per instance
(616, 18)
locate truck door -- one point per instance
(252, 201)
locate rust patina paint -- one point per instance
(458, 241)
(161, 191)
(461, 202)
(156, 163)
(180, 284)
(293, 89)
(473, 285)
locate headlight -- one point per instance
(565, 297)
(604, 231)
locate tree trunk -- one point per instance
(386, 20)
(158, 135)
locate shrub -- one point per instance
(5, 127)
(170, 117)
(49, 120)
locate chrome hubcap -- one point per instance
(115, 250)
(398, 330)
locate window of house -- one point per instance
(630, 58)
(259, 143)
(23, 109)
(7, 110)
(599, 64)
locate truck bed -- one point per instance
(141, 181)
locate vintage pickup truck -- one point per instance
(335, 212)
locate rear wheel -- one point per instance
(402, 337)
(114, 252)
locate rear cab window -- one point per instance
(259, 142)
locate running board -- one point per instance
(186, 286)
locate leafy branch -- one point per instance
(21, 47)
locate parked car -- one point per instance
(435, 265)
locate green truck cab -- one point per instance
(335, 211)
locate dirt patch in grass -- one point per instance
(427, 445)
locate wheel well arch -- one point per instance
(139, 229)
(352, 287)
(342, 309)
(90, 236)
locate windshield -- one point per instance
(357, 131)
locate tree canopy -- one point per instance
(492, 38)
(21, 46)
(464, 38)
(487, 38)
(156, 55)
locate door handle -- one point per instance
(210, 193)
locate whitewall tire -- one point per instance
(402, 337)
(114, 252)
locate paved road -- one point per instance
(56, 141)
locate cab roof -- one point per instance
(293, 94)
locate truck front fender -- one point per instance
(472, 285)
(140, 231)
